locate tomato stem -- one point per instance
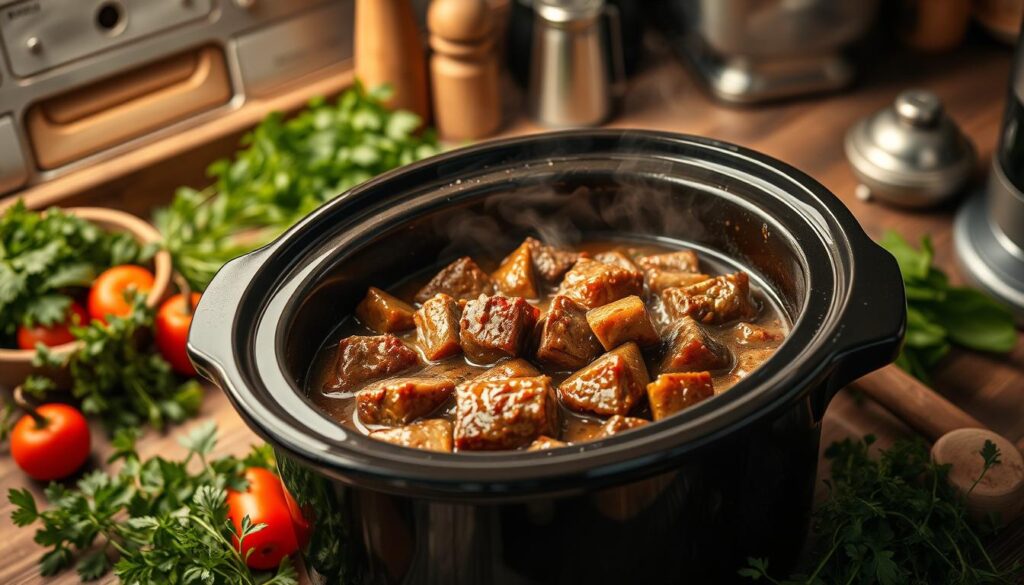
(186, 292)
(23, 403)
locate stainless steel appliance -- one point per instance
(84, 80)
(755, 50)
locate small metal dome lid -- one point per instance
(910, 154)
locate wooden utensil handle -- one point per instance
(917, 405)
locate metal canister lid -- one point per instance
(910, 154)
(569, 11)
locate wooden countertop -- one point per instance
(807, 133)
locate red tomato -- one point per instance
(56, 334)
(54, 450)
(299, 522)
(172, 323)
(107, 295)
(264, 503)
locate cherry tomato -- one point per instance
(172, 323)
(107, 295)
(56, 334)
(54, 450)
(264, 503)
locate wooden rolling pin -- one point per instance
(957, 440)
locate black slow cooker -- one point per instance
(686, 500)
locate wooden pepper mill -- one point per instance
(389, 50)
(464, 69)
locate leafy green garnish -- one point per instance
(940, 315)
(894, 520)
(287, 169)
(155, 521)
(42, 255)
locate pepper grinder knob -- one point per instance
(919, 108)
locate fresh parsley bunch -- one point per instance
(940, 315)
(287, 169)
(45, 255)
(154, 521)
(894, 520)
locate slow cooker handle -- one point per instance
(873, 323)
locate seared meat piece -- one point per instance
(658, 280)
(565, 340)
(671, 393)
(543, 443)
(612, 384)
(749, 334)
(384, 313)
(461, 279)
(549, 262)
(402, 400)
(617, 424)
(681, 261)
(692, 349)
(515, 277)
(716, 300)
(514, 368)
(430, 435)
(504, 414)
(621, 321)
(617, 259)
(437, 327)
(594, 283)
(362, 358)
(495, 327)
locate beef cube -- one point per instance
(565, 340)
(716, 300)
(514, 368)
(618, 424)
(364, 358)
(671, 393)
(402, 400)
(594, 283)
(515, 277)
(658, 279)
(461, 279)
(616, 258)
(612, 384)
(430, 435)
(621, 321)
(681, 261)
(749, 334)
(504, 414)
(384, 313)
(437, 327)
(692, 349)
(544, 443)
(550, 263)
(496, 327)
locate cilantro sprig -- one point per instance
(940, 315)
(286, 169)
(154, 521)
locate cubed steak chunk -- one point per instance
(692, 349)
(384, 313)
(612, 384)
(364, 358)
(564, 338)
(750, 334)
(658, 280)
(593, 283)
(715, 300)
(543, 443)
(437, 327)
(618, 424)
(549, 262)
(461, 279)
(429, 435)
(621, 321)
(515, 277)
(680, 261)
(496, 327)
(671, 393)
(504, 414)
(514, 368)
(402, 400)
(616, 258)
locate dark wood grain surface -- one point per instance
(807, 134)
